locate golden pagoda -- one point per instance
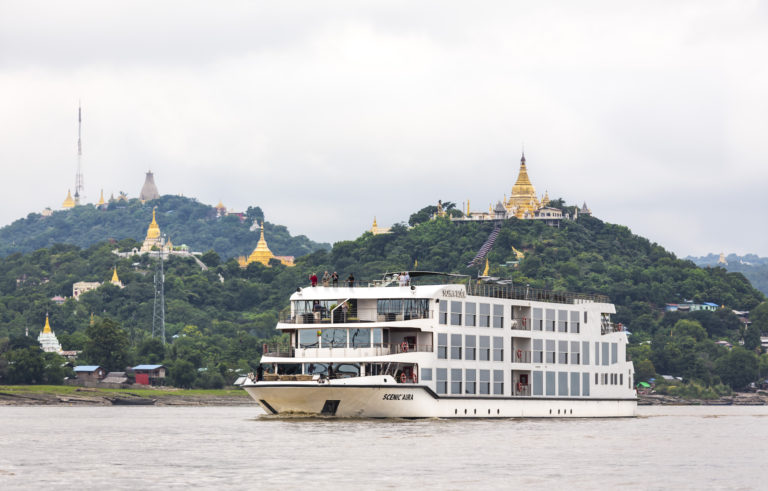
(262, 254)
(221, 210)
(523, 202)
(69, 202)
(153, 235)
(47, 339)
(101, 199)
(115, 280)
(376, 230)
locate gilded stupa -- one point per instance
(115, 279)
(262, 254)
(376, 230)
(153, 238)
(47, 339)
(69, 202)
(101, 200)
(523, 202)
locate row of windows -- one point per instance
(466, 381)
(472, 314)
(609, 378)
(473, 347)
(573, 352)
(557, 320)
(560, 383)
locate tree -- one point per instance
(182, 374)
(151, 350)
(752, 338)
(644, 370)
(759, 317)
(738, 368)
(693, 329)
(107, 345)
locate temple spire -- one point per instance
(47, 327)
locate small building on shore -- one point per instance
(149, 374)
(90, 373)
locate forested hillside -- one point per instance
(183, 220)
(219, 318)
(753, 267)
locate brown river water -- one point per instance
(666, 447)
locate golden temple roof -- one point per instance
(523, 185)
(47, 327)
(485, 271)
(69, 202)
(115, 279)
(101, 199)
(261, 254)
(153, 232)
(221, 206)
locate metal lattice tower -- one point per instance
(158, 313)
(79, 188)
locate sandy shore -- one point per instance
(31, 396)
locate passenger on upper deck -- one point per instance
(351, 280)
(326, 279)
(313, 279)
(335, 278)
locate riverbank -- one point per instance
(62, 395)
(759, 398)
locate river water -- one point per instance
(240, 448)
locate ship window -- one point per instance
(346, 370)
(596, 379)
(442, 346)
(498, 382)
(585, 352)
(597, 353)
(470, 314)
(562, 355)
(316, 368)
(498, 316)
(377, 339)
(455, 346)
(575, 358)
(456, 380)
(538, 320)
(538, 383)
(614, 353)
(471, 381)
(538, 351)
(455, 313)
(550, 351)
(308, 338)
(441, 387)
(485, 348)
(443, 317)
(470, 347)
(289, 368)
(562, 321)
(426, 374)
(575, 327)
(551, 321)
(360, 338)
(562, 383)
(485, 382)
(585, 384)
(333, 338)
(485, 315)
(585, 317)
(604, 354)
(621, 379)
(498, 348)
(550, 387)
(575, 376)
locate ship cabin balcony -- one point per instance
(401, 373)
(339, 341)
(354, 310)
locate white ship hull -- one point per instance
(378, 399)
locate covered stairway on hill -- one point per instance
(487, 245)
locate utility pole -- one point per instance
(79, 188)
(158, 313)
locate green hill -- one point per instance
(753, 267)
(184, 220)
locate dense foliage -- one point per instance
(217, 320)
(183, 220)
(754, 268)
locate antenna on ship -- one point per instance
(79, 188)
(158, 312)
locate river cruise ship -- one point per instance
(451, 348)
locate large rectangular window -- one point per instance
(377, 337)
(538, 351)
(575, 325)
(597, 353)
(538, 320)
(498, 316)
(333, 338)
(538, 383)
(442, 346)
(575, 378)
(585, 384)
(456, 381)
(470, 347)
(604, 354)
(471, 381)
(470, 314)
(614, 353)
(551, 320)
(550, 351)
(550, 386)
(455, 346)
(308, 338)
(360, 338)
(485, 382)
(485, 315)
(455, 313)
(485, 348)
(443, 316)
(562, 321)
(441, 384)
(498, 382)
(498, 348)
(562, 383)
(562, 352)
(575, 355)
(585, 353)
(426, 374)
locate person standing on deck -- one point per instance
(351, 280)
(335, 278)
(326, 279)
(313, 279)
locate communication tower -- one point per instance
(158, 313)
(79, 177)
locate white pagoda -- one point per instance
(47, 339)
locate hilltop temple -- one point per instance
(154, 239)
(149, 190)
(376, 230)
(47, 339)
(262, 254)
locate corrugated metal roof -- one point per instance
(147, 367)
(87, 368)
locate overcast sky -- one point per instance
(327, 113)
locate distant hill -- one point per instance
(184, 220)
(753, 267)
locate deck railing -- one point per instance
(379, 349)
(521, 324)
(521, 356)
(535, 294)
(353, 316)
